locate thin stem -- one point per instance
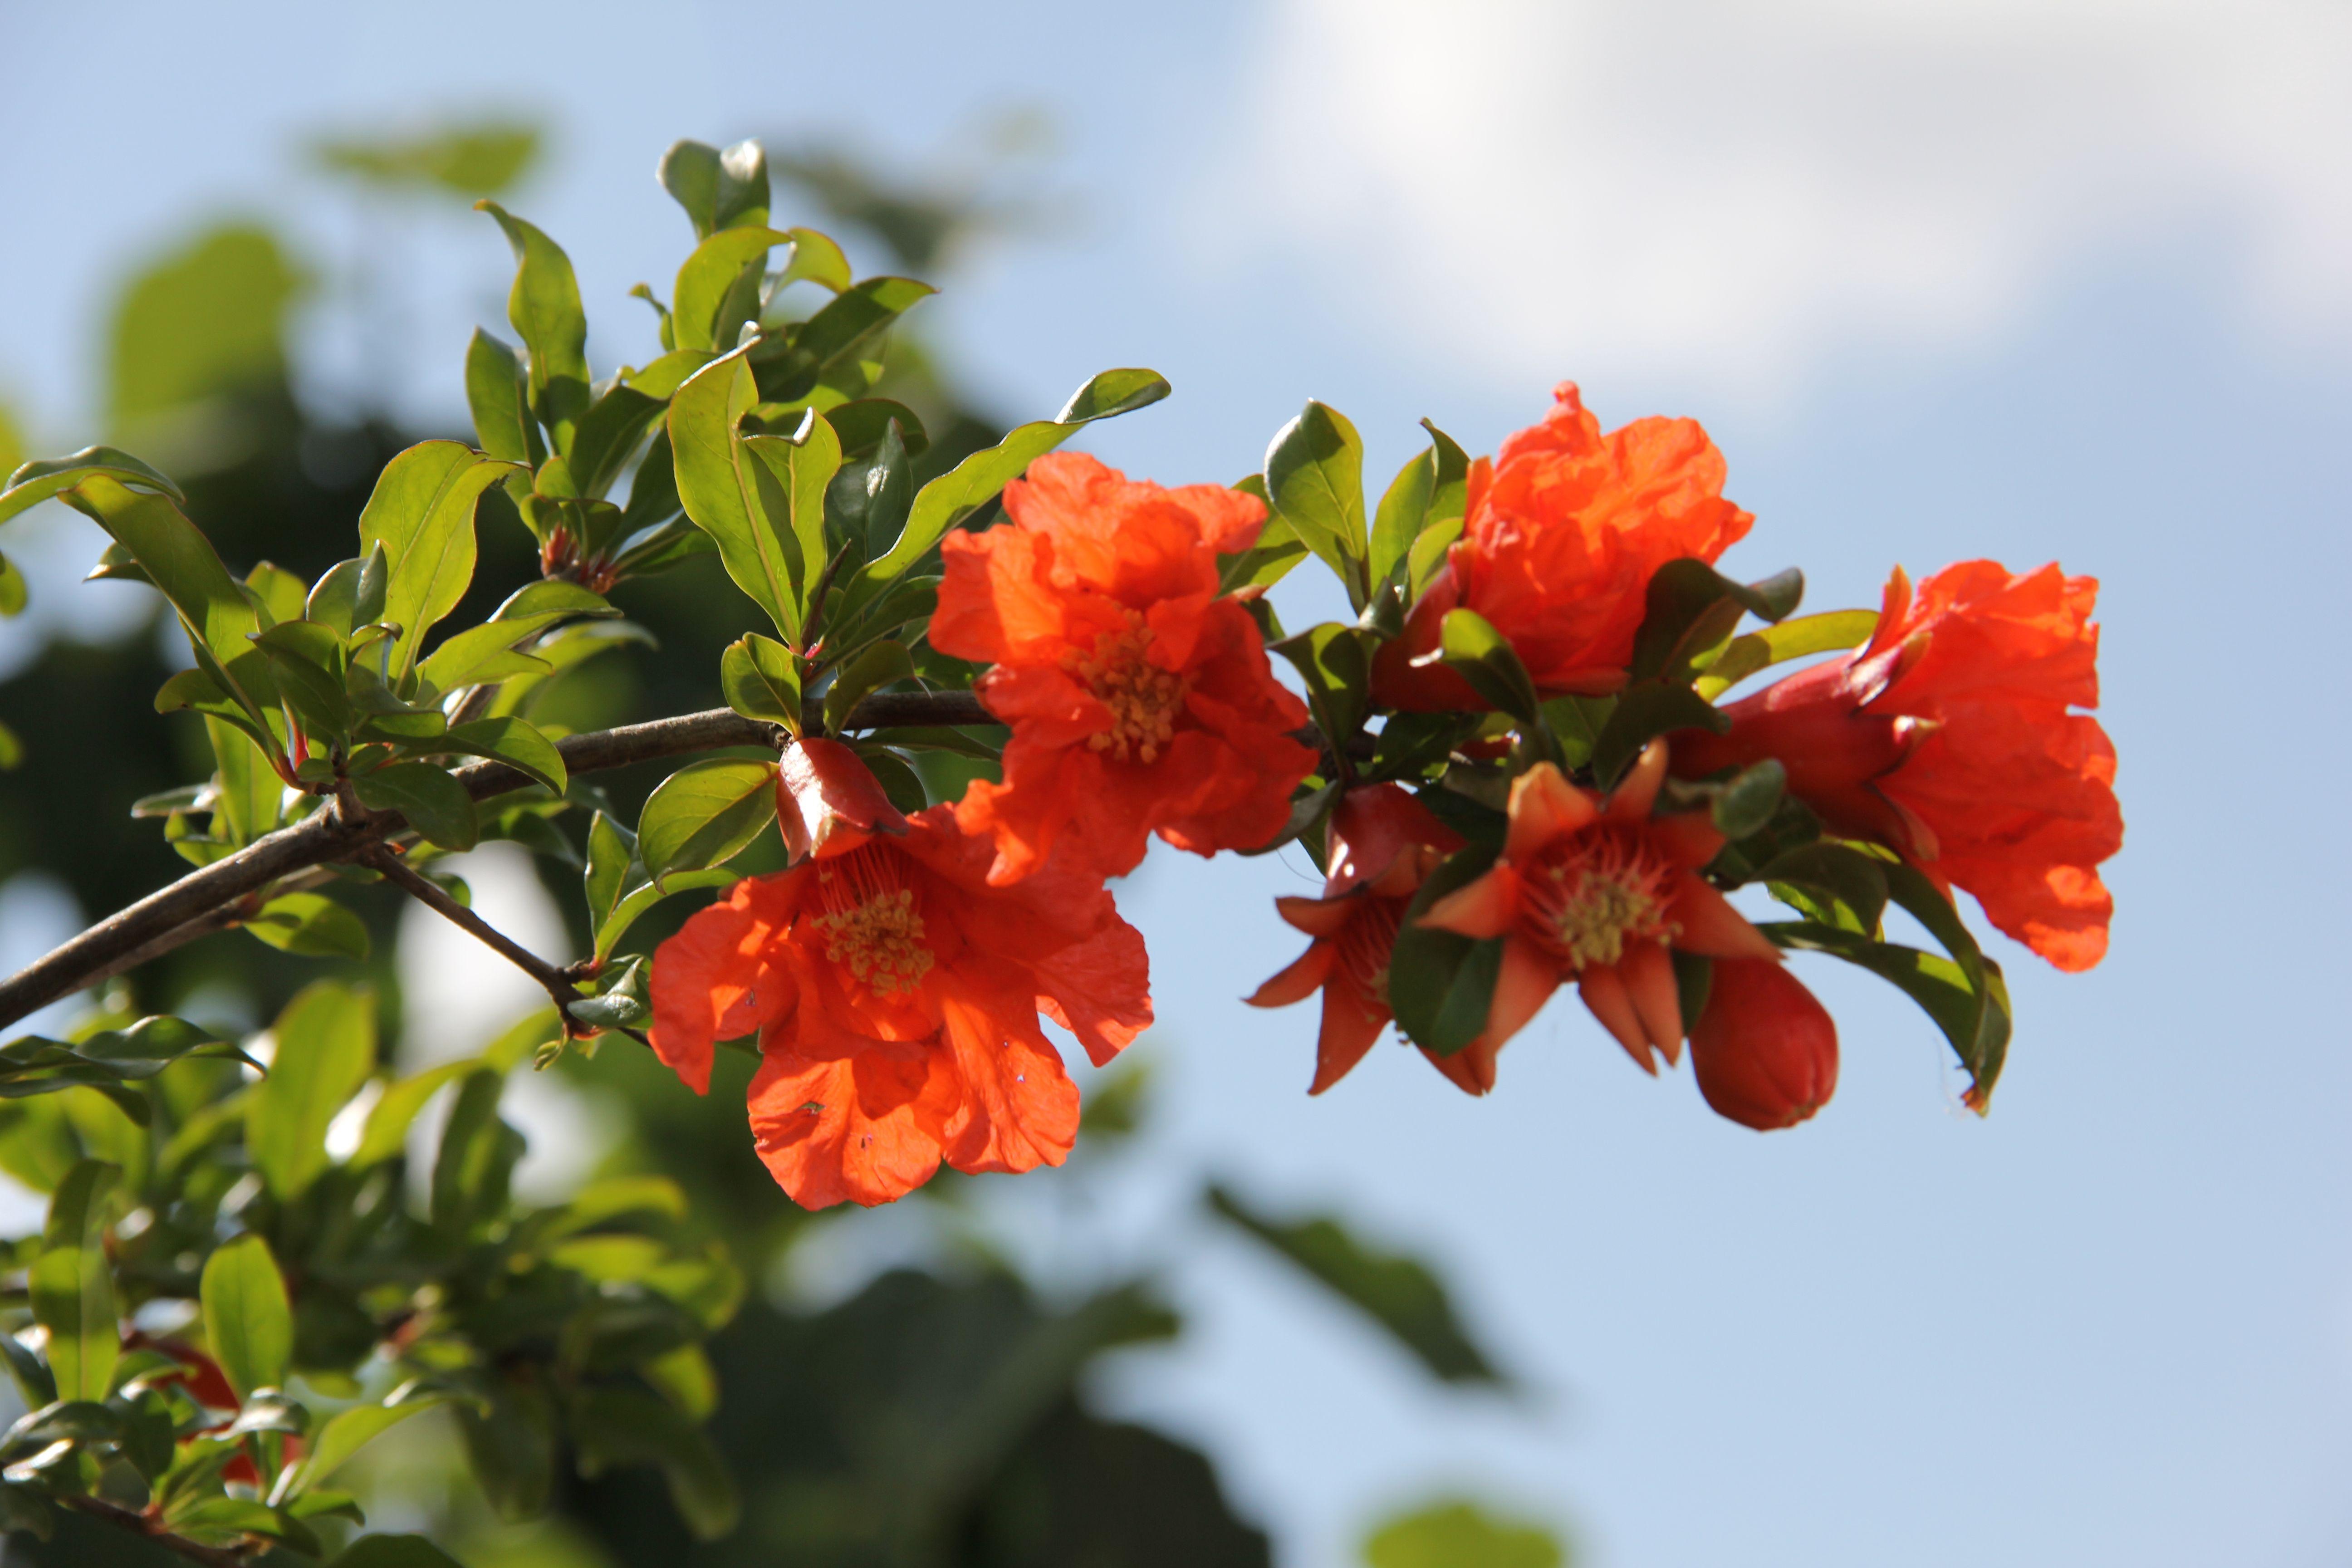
(169, 916)
(140, 1525)
(402, 874)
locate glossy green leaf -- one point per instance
(1643, 711)
(472, 158)
(1792, 638)
(1404, 506)
(422, 513)
(247, 791)
(435, 804)
(472, 1171)
(1315, 477)
(979, 478)
(801, 467)
(1833, 883)
(37, 481)
(876, 665)
(760, 679)
(1691, 608)
(815, 258)
(1975, 1021)
(72, 1283)
(862, 423)
(510, 740)
(1458, 1535)
(310, 924)
(248, 1321)
(1337, 666)
(791, 367)
(1440, 982)
(544, 306)
(720, 484)
(224, 1520)
(1401, 1294)
(717, 189)
(705, 814)
(1482, 655)
(497, 390)
(1270, 558)
(642, 896)
(708, 276)
(1749, 798)
(344, 1435)
(1987, 1047)
(325, 1051)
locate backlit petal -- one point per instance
(1544, 806)
(1604, 993)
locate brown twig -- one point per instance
(153, 1532)
(164, 918)
(402, 874)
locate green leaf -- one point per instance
(642, 896)
(762, 680)
(876, 665)
(720, 484)
(708, 274)
(1744, 655)
(37, 482)
(181, 562)
(1457, 1534)
(622, 1427)
(1484, 656)
(1834, 883)
(479, 158)
(435, 804)
(791, 367)
(1645, 710)
(248, 1321)
(396, 1109)
(705, 814)
(815, 258)
(717, 189)
(510, 741)
(1401, 1294)
(1749, 800)
(863, 422)
(621, 1004)
(1441, 983)
(310, 924)
(1976, 1021)
(1315, 477)
(247, 791)
(394, 1552)
(979, 478)
(1987, 1046)
(1403, 508)
(463, 655)
(802, 467)
(221, 1520)
(72, 1284)
(476, 1162)
(326, 1050)
(1337, 665)
(422, 513)
(544, 306)
(306, 661)
(12, 750)
(497, 389)
(1690, 611)
(344, 1435)
(1270, 559)
(12, 588)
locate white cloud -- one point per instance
(1727, 189)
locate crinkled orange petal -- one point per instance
(866, 1128)
(719, 976)
(1098, 989)
(996, 602)
(1020, 1108)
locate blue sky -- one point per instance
(2066, 281)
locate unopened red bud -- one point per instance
(828, 801)
(1764, 1049)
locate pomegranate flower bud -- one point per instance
(828, 802)
(1764, 1049)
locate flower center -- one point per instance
(1366, 944)
(1602, 891)
(870, 924)
(1143, 699)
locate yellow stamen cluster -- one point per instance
(1607, 892)
(1143, 699)
(871, 926)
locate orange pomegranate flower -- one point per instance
(1563, 533)
(898, 998)
(1140, 701)
(1950, 738)
(1383, 845)
(1764, 1050)
(1601, 892)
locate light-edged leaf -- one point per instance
(72, 1283)
(762, 680)
(707, 276)
(717, 189)
(386, 1133)
(876, 665)
(1458, 1533)
(248, 1321)
(343, 1436)
(422, 513)
(1484, 656)
(544, 306)
(633, 903)
(720, 484)
(497, 390)
(1796, 637)
(37, 482)
(512, 740)
(1314, 479)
